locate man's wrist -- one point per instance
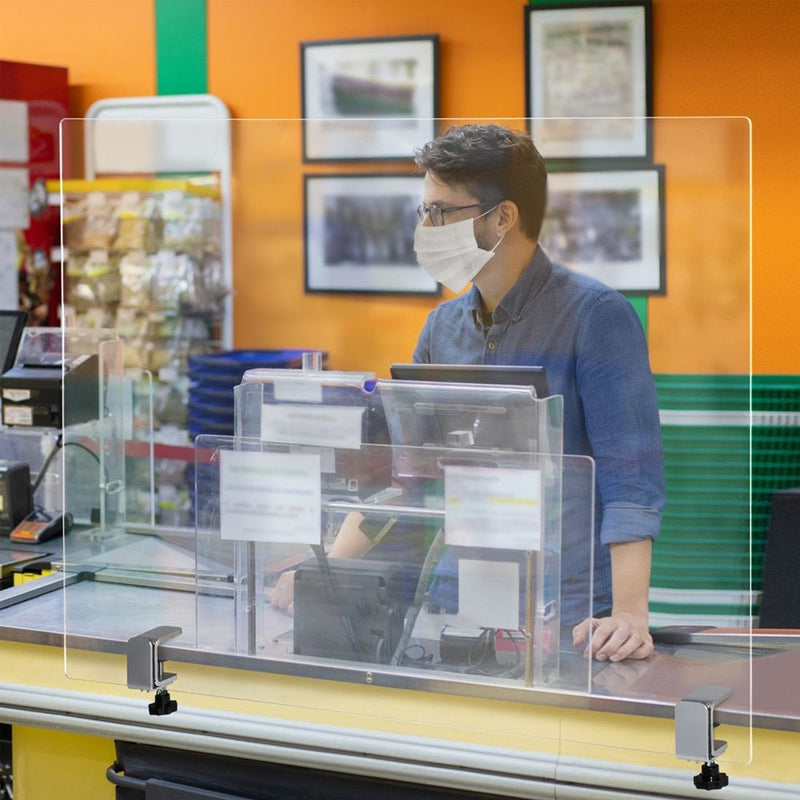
(639, 618)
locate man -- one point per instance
(485, 192)
(483, 204)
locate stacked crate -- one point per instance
(212, 378)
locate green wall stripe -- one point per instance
(639, 304)
(181, 56)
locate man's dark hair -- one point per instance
(494, 164)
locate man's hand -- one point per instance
(282, 595)
(613, 638)
(625, 633)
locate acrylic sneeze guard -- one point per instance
(462, 592)
(496, 561)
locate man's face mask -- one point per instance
(450, 253)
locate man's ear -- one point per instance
(507, 216)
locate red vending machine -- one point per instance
(34, 98)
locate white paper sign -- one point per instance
(9, 276)
(493, 507)
(14, 131)
(488, 594)
(270, 497)
(14, 198)
(325, 426)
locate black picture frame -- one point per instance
(609, 224)
(588, 79)
(369, 99)
(359, 234)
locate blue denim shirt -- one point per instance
(592, 346)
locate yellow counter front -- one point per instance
(64, 731)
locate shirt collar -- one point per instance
(531, 280)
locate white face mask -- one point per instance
(450, 253)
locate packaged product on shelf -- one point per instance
(131, 323)
(100, 225)
(194, 295)
(145, 258)
(212, 226)
(138, 224)
(74, 278)
(132, 326)
(102, 274)
(184, 228)
(136, 274)
(74, 223)
(214, 281)
(168, 281)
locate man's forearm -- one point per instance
(630, 579)
(350, 542)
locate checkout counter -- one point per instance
(393, 675)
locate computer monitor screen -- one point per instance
(12, 324)
(502, 375)
(464, 406)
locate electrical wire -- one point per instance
(419, 596)
(109, 487)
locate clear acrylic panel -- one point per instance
(672, 232)
(448, 587)
(139, 436)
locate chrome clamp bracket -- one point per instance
(145, 668)
(694, 734)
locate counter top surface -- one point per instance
(115, 590)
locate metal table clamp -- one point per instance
(145, 669)
(694, 734)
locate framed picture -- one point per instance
(589, 78)
(359, 234)
(368, 99)
(609, 224)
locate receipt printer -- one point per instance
(32, 394)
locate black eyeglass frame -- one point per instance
(435, 211)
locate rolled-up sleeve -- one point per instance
(622, 421)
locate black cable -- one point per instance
(420, 594)
(52, 454)
(46, 464)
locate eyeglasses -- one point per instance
(436, 212)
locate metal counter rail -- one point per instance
(416, 761)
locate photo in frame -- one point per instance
(609, 224)
(589, 79)
(359, 234)
(368, 99)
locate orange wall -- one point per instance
(108, 47)
(711, 57)
(741, 57)
(480, 74)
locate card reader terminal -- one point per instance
(39, 526)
